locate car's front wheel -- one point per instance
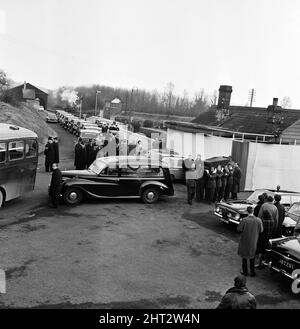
(150, 195)
(72, 196)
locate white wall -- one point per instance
(270, 165)
(217, 146)
(196, 143)
(185, 143)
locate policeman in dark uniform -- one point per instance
(55, 185)
(49, 155)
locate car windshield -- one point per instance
(254, 196)
(295, 209)
(97, 166)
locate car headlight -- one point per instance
(237, 216)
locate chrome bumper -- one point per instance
(227, 221)
(279, 270)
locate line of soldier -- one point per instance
(211, 185)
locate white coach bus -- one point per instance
(18, 161)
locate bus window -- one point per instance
(16, 150)
(2, 152)
(31, 149)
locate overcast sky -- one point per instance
(146, 43)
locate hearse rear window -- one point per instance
(141, 171)
(2, 152)
(16, 150)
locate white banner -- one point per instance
(196, 143)
(270, 165)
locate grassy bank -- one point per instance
(27, 117)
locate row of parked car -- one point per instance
(88, 128)
(283, 254)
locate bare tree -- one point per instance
(4, 82)
(169, 97)
(214, 98)
(286, 102)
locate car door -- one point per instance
(107, 183)
(130, 181)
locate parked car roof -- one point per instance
(100, 163)
(51, 115)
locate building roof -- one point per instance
(116, 100)
(17, 85)
(8, 131)
(247, 119)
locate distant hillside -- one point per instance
(27, 117)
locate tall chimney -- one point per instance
(275, 101)
(224, 97)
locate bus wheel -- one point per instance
(1, 198)
(72, 196)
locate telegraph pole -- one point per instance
(96, 101)
(252, 94)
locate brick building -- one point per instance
(28, 92)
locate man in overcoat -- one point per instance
(236, 176)
(90, 153)
(250, 227)
(80, 155)
(281, 215)
(55, 185)
(190, 177)
(272, 209)
(210, 184)
(228, 187)
(49, 155)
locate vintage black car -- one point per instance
(232, 211)
(118, 177)
(291, 219)
(283, 255)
